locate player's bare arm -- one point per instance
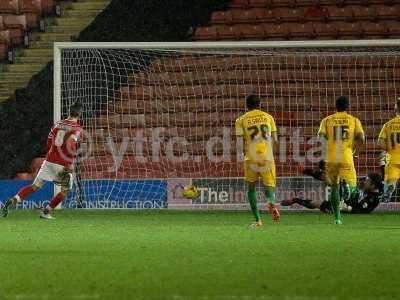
(382, 144)
(275, 142)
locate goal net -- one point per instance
(161, 116)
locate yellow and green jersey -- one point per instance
(340, 130)
(256, 128)
(390, 133)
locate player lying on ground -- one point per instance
(389, 141)
(58, 165)
(361, 201)
(341, 133)
(258, 131)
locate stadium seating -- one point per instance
(283, 19)
(29, 47)
(302, 3)
(30, 6)
(295, 100)
(300, 31)
(17, 17)
(9, 6)
(16, 31)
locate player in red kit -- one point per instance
(58, 165)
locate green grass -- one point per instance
(192, 255)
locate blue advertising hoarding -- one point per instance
(96, 194)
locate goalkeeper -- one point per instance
(363, 200)
(257, 130)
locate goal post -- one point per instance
(158, 116)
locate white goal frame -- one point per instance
(58, 47)
(327, 44)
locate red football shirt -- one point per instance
(62, 141)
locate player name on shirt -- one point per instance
(257, 120)
(340, 121)
(394, 126)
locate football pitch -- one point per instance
(109, 254)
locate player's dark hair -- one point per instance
(342, 103)
(252, 102)
(376, 180)
(75, 110)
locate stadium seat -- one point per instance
(385, 12)
(301, 31)
(348, 29)
(290, 14)
(244, 15)
(326, 30)
(15, 32)
(374, 29)
(225, 32)
(276, 31)
(266, 15)
(15, 21)
(336, 13)
(316, 13)
(206, 33)
(221, 17)
(251, 32)
(254, 15)
(9, 6)
(30, 6)
(364, 12)
(392, 28)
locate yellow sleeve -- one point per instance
(239, 127)
(358, 128)
(322, 129)
(383, 134)
(273, 125)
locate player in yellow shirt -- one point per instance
(258, 131)
(341, 133)
(389, 141)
